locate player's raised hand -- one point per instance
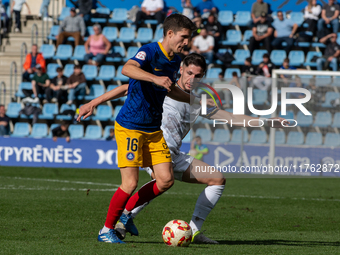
(86, 110)
(163, 81)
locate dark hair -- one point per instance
(176, 22)
(59, 69)
(34, 45)
(111, 130)
(234, 74)
(198, 137)
(248, 59)
(65, 123)
(221, 73)
(196, 60)
(77, 67)
(286, 60)
(2, 105)
(265, 55)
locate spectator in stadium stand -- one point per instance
(32, 59)
(205, 8)
(312, 14)
(286, 66)
(317, 92)
(297, 83)
(57, 91)
(262, 32)
(199, 24)
(285, 30)
(204, 45)
(72, 26)
(40, 83)
(264, 71)
(151, 9)
(85, 7)
(96, 47)
(248, 68)
(16, 8)
(198, 150)
(214, 29)
(188, 9)
(111, 136)
(257, 9)
(331, 53)
(4, 121)
(76, 84)
(61, 131)
(329, 15)
(43, 13)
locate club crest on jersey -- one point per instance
(130, 156)
(141, 55)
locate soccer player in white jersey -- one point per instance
(177, 120)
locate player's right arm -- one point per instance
(87, 109)
(133, 70)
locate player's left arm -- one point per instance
(243, 120)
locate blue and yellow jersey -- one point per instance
(143, 107)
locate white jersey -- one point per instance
(177, 120)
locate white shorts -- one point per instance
(180, 163)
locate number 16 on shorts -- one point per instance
(132, 145)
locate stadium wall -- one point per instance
(103, 155)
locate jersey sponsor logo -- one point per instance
(130, 156)
(157, 70)
(141, 55)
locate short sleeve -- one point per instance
(211, 41)
(160, 4)
(145, 3)
(143, 56)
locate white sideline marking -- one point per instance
(61, 181)
(12, 187)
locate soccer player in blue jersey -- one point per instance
(152, 72)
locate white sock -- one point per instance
(205, 203)
(138, 209)
(104, 230)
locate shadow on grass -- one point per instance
(278, 242)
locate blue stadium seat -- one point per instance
(102, 11)
(126, 35)
(258, 137)
(119, 16)
(96, 90)
(323, 119)
(222, 51)
(131, 52)
(13, 110)
(221, 135)
(187, 138)
(48, 111)
(111, 87)
(204, 133)
(68, 70)
(212, 73)
(329, 97)
(65, 12)
(150, 22)
(240, 56)
(63, 108)
(52, 70)
(64, 52)
(47, 50)
(117, 109)
(332, 140)
(260, 97)
(246, 37)
(21, 129)
(229, 73)
(53, 33)
(53, 126)
(277, 57)
(257, 56)
(296, 57)
(79, 53)
(120, 77)
(237, 134)
(117, 59)
(144, 35)
(90, 72)
(295, 138)
(336, 120)
(316, 43)
(336, 81)
(106, 73)
(323, 81)
(314, 139)
(111, 33)
(76, 131)
(158, 34)
(104, 113)
(233, 37)
(304, 120)
(225, 17)
(309, 57)
(280, 137)
(297, 17)
(305, 79)
(289, 115)
(93, 132)
(39, 130)
(23, 85)
(242, 18)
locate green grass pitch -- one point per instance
(60, 211)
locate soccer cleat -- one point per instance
(109, 237)
(199, 237)
(127, 221)
(120, 230)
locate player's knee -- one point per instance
(165, 184)
(130, 186)
(216, 181)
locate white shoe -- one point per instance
(16, 30)
(36, 100)
(69, 102)
(199, 237)
(48, 19)
(54, 100)
(45, 101)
